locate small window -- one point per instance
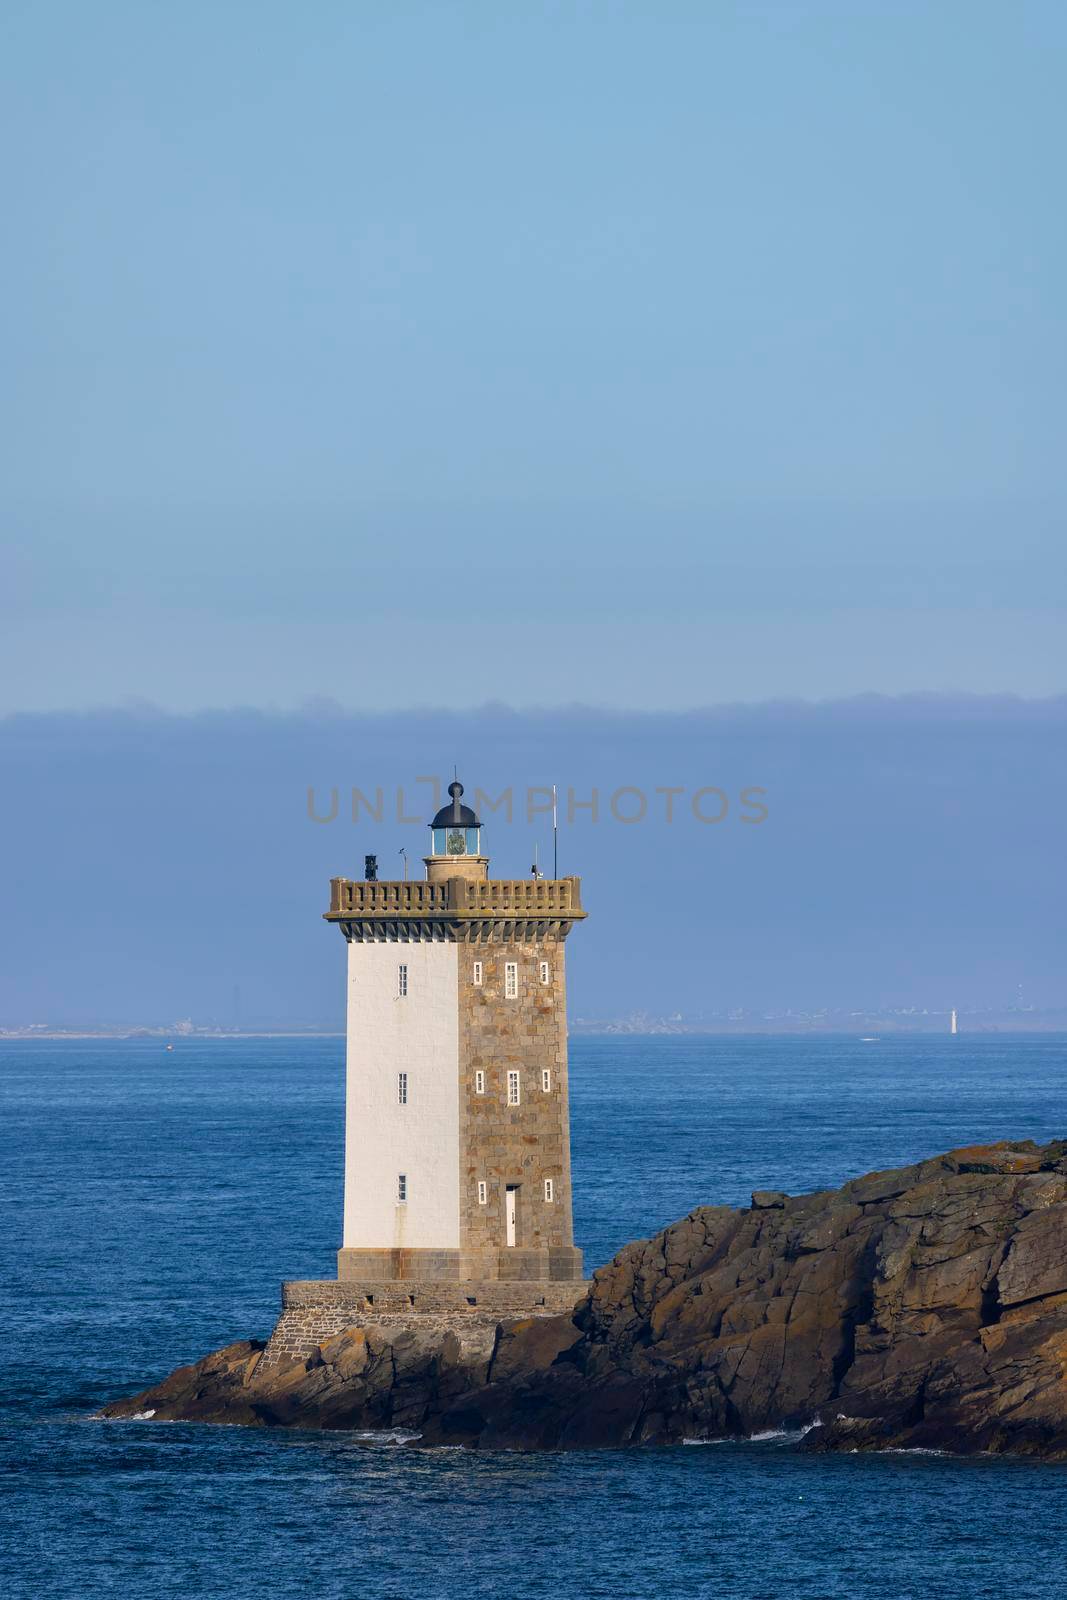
(402, 1189)
(402, 1088)
(483, 1192)
(546, 975)
(550, 1190)
(546, 1080)
(511, 980)
(477, 974)
(513, 1089)
(402, 980)
(479, 1083)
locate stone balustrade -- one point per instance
(456, 898)
(350, 897)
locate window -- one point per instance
(401, 1188)
(546, 974)
(546, 1080)
(479, 1083)
(402, 980)
(455, 841)
(477, 974)
(402, 1088)
(511, 980)
(513, 1089)
(550, 1190)
(483, 1191)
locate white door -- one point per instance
(509, 1212)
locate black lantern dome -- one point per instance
(455, 829)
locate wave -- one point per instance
(383, 1435)
(764, 1436)
(101, 1416)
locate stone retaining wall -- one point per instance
(313, 1311)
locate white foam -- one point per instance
(762, 1437)
(383, 1436)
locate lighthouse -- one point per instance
(457, 1193)
(457, 1135)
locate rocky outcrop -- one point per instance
(380, 1378)
(924, 1307)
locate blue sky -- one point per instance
(911, 855)
(640, 356)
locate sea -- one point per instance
(152, 1200)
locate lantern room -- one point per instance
(455, 841)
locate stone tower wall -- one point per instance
(525, 1144)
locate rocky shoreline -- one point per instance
(919, 1308)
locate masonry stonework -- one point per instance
(313, 1312)
(522, 1145)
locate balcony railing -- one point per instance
(523, 897)
(457, 897)
(350, 897)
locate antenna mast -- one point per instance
(555, 836)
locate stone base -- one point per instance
(557, 1264)
(314, 1311)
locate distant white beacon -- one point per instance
(953, 1026)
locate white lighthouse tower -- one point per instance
(457, 1131)
(457, 1141)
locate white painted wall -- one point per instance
(419, 1035)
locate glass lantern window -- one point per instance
(455, 841)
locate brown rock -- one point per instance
(1036, 1262)
(347, 1353)
(531, 1345)
(920, 1307)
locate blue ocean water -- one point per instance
(153, 1200)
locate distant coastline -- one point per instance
(168, 1035)
(849, 1024)
(863, 1025)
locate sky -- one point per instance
(643, 357)
(159, 867)
(600, 394)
